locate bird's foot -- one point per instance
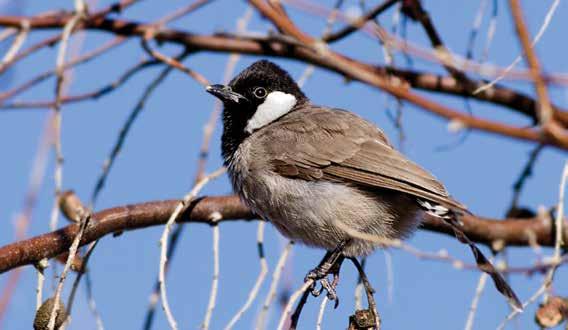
(320, 274)
(329, 265)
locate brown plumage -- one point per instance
(317, 143)
(314, 171)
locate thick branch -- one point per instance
(361, 71)
(545, 111)
(499, 95)
(327, 59)
(511, 231)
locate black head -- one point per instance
(258, 95)
(250, 88)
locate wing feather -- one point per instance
(315, 143)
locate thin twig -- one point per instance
(295, 317)
(40, 267)
(72, 252)
(207, 134)
(92, 54)
(70, 64)
(181, 12)
(16, 44)
(107, 165)
(310, 69)
(77, 281)
(559, 221)
(230, 66)
(416, 11)
(372, 305)
(261, 319)
(359, 287)
(80, 13)
(544, 110)
(391, 64)
(138, 29)
(92, 95)
(291, 301)
(50, 41)
(428, 54)
(215, 217)
(524, 175)
(334, 61)
(259, 280)
(360, 22)
(473, 308)
(556, 257)
(172, 62)
(359, 295)
(90, 297)
(475, 29)
(60, 74)
(7, 33)
(321, 312)
(510, 67)
(164, 241)
(490, 31)
(175, 63)
(482, 262)
(24, 217)
(123, 134)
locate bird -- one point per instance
(314, 171)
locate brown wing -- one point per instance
(331, 144)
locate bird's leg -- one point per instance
(369, 292)
(330, 287)
(330, 264)
(328, 261)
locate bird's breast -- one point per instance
(313, 212)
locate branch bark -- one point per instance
(281, 47)
(512, 232)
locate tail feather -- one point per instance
(452, 219)
(484, 264)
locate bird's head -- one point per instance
(257, 96)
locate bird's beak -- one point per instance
(225, 94)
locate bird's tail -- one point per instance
(482, 262)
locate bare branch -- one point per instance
(512, 232)
(180, 208)
(332, 61)
(544, 110)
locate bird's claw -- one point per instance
(314, 290)
(330, 288)
(320, 275)
(316, 274)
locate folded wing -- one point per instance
(314, 145)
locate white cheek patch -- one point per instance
(274, 106)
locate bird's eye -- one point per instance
(260, 92)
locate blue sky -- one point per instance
(159, 162)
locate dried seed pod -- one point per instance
(71, 206)
(362, 320)
(552, 313)
(41, 320)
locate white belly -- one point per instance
(308, 211)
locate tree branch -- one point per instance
(360, 22)
(512, 232)
(327, 59)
